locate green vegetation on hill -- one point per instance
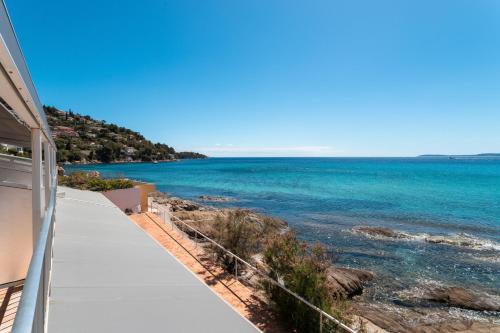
(83, 139)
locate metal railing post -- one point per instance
(36, 189)
(46, 172)
(320, 322)
(235, 267)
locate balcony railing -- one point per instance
(166, 216)
(31, 314)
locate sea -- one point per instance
(446, 212)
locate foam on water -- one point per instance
(460, 240)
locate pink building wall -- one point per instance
(125, 198)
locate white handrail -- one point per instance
(321, 313)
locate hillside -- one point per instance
(83, 139)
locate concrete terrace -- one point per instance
(110, 276)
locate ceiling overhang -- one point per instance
(13, 131)
(16, 85)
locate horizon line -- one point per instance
(369, 156)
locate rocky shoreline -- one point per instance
(347, 282)
(429, 308)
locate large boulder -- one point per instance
(176, 204)
(419, 320)
(388, 321)
(347, 282)
(463, 298)
(457, 326)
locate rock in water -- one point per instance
(462, 298)
(462, 240)
(379, 231)
(347, 282)
(387, 320)
(419, 321)
(215, 198)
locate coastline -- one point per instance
(347, 282)
(128, 162)
(430, 313)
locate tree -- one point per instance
(104, 154)
(62, 155)
(243, 233)
(74, 156)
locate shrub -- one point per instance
(302, 270)
(237, 234)
(93, 182)
(243, 233)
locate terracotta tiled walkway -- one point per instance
(9, 301)
(195, 259)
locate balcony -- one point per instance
(108, 275)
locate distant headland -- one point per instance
(473, 156)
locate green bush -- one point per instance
(237, 234)
(93, 182)
(243, 233)
(302, 270)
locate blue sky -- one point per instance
(275, 78)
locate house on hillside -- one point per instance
(64, 131)
(129, 151)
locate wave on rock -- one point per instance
(461, 240)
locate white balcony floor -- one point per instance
(109, 276)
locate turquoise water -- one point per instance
(324, 198)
